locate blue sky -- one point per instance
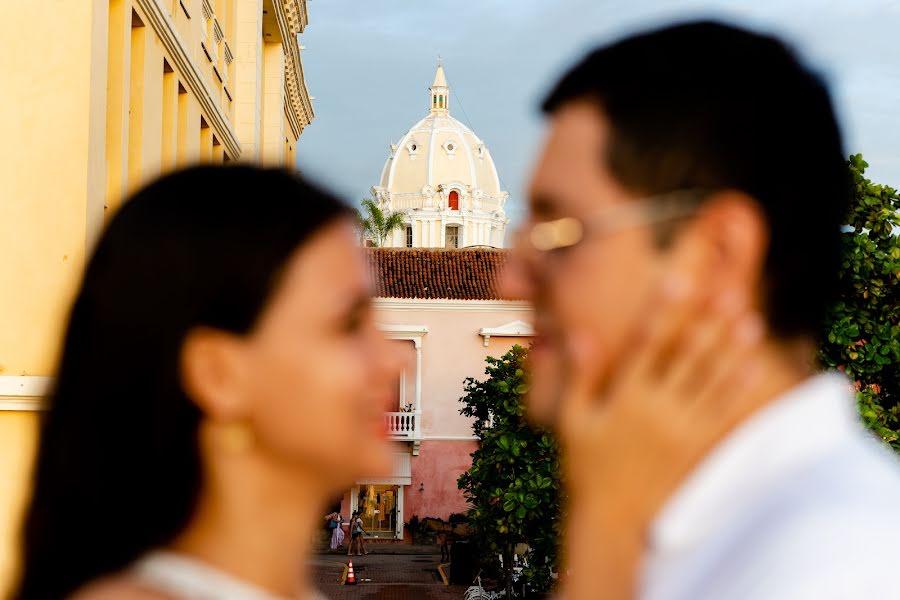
(369, 63)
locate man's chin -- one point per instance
(541, 406)
(542, 401)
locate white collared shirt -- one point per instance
(799, 502)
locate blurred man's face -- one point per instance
(599, 286)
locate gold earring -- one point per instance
(236, 437)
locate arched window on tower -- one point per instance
(434, 101)
(440, 102)
(454, 200)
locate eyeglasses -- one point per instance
(569, 231)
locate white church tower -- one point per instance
(440, 175)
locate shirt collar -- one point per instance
(754, 458)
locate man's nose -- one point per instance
(517, 279)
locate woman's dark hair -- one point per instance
(710, 106)
(118, 468)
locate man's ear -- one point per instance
(211, 367)
(726, 244)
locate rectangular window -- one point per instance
(378, 505)
(409, 239)
(452, 237)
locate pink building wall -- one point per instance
(451, 350)
(438, 466)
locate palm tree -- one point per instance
(377, 224)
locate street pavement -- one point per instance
(384, 576)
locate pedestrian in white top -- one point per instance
(682, 248)
(356, 535)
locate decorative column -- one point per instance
(417, 430)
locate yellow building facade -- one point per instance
(98, 97)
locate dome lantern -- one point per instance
(439, 92)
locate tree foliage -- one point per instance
(862, 331)
(377, 224)
(513, 485)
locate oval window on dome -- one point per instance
(413, 147)
(450, 147)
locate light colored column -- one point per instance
(153, 109)
(169, 119)
(118, 76)
(206, 145)
(418, 428)
(273, 105)
(139, 35)
(218, 152)
(400, 516)
(248, 77)
(188, 130)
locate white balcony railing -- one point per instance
(403, 425)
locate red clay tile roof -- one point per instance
(437, 273)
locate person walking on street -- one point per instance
(356, 536)
(337, 533)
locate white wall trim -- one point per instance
(25, 385)
(24, 392)
(414, 333)
(418, 304)
(162, 24)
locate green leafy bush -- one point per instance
(862, 332)
(513, 485)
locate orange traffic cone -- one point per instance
(351, 578)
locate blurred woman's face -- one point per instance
(317, 375)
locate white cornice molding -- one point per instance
(512, 329)
(414, 330)
(296, 128)
(297, 95)
(404, 332)
(24, 392)
(419, 304)
(162, 24)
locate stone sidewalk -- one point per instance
(383, 576)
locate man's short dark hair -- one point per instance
(706, 105)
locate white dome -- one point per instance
(439, 150)
(440, 174)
